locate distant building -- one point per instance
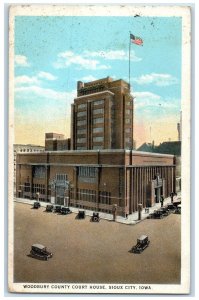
(171, 147)
(146, 147)
(20, 148)
(56, 142)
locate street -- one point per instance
(88, 252)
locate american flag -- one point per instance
(136, 40)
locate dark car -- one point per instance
(95, 217)
(158, 214)
(39, 251)
(49, 208)
(36, 205)
(171, 207)
(142, 243)
(81, 214)
(178, 210)
(57, 208)
(65, 210)
(164, 211)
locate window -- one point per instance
(128, 139)
(81, 131)
(39, 172)
(87, 195)
(105, 197)
(82, 122)
(26, 187)
(98, 139)
(98, 147)
(128, 111)
(98, 102)
(81, 140)
(61, 177)
(39, 188)
(127, 121)
(98, 129)
(81, 106)
(128, 130)
(81, 113)
(87, 172)
(98, 111)
(81, 148)
(98, 120)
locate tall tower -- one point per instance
(102, 115)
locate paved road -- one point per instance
(95, 252)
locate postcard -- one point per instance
(99, 149)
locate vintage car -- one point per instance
(178, 210)
(158, 214)
(57, 208)
(65, 210)
(49, 208)
(95, 217)
(171, 207)
(142, 243)
(39, 251)
(81, 214)
(164, 211)
(36, 204)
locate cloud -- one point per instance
(26, 80)
(34, 90)
(89, 78)
(67, 58)
(21, 60)
(113, 55)
(47, 76)
(157, 79)
(148, 100)
(30, 80)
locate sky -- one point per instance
(53, 53)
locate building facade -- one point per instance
(56, 142)
(20, 148)
(101, 171)
(102, 116)
(96, 180)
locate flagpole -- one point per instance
(129, 60)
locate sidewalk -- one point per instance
(131, 220)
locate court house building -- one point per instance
(101, 169)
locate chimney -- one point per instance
(80, 85)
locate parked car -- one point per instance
(39, 251)
(178, 210)
(171, 207)
(81, 214)
(164, 211)
(95, 217)
(142, 243)
(57, 208)
(65, 210)
(36, 205)
(49, 208)
(176, 203)
(158, 214)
